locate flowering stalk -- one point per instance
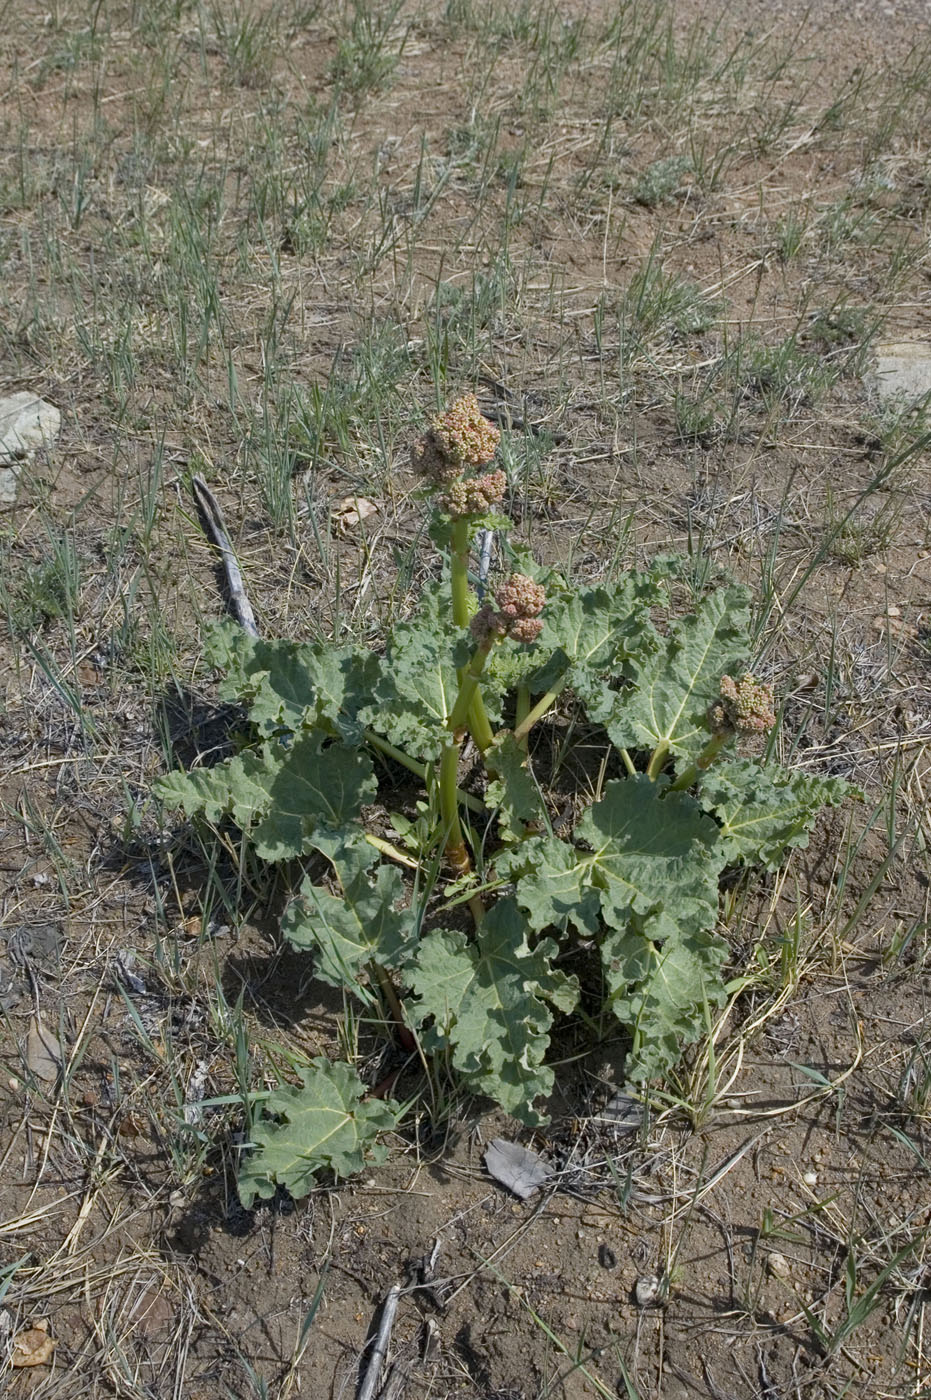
(479, 723)
(456, 852)
(702, 763)
(519, 603)
(521, 711)
(457, 443)
(459, 572)
(414, 765)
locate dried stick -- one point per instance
(215, 527)
(372, 1375)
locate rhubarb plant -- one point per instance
(470, 917)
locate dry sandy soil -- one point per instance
(662, 243)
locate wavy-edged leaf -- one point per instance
(513, 791)
(595, 631)
(654, 851)
(279, 793)
(489, 1002)
(315, 785)
(346, 848)
(294, 685)
(764, 811)
(553, 883)
(236, 788)
(661, 977)
(414, 695)
(326, 1124)
(347, 932)
(672, 688)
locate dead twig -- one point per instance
(369, 1385)
(215, 528)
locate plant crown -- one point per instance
(469, 932)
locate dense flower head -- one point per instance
(519, 597)
(464, 435)
(520, 602)
(474, 495)
(745, 707)
(427, 460)
(487, 624)
(456, 441)
(525, 629)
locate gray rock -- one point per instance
(516, 1167)
(26, 424)
(901, 370)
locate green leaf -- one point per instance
(654, 851)
(553, 883)
(278, 793)
(672, 688)
(594, 632)
(649, 889)
(294, 685)
(513, 792)
(656, 861)
(347, 932)
(660, 978)
(237, 788)
(314, 785)
(417, 686)
(346, 848)
(325, 1124)
(488, 1000)
(764, 811)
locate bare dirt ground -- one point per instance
(662, 243)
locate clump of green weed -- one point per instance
(44, 589)
(660, 181)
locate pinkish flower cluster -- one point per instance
(463, 435)
(474, 495)
(520, 602)
(456, 440)
(745, 707)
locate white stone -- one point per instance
(26, 424)
(901, 370)
(648, 1290)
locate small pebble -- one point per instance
(648, 1290)
(778, 1265)
(810, 1178)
